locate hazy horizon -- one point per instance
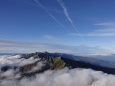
(64, 26)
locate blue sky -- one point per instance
(69, 26)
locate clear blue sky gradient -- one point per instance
(25, 20)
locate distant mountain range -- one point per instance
(105, 57)
(55, 61)
(90, 60)
(76, 61)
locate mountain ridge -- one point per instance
(84, 64)
(53, 61)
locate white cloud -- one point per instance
(37, 67)
(107, 30)
(68, 17)
(72, 77)
(50, 14)
(103, 32)
(100, 32)
(51, 37)
(12, 46)
(65, 11)
(9, 60)
(106, 24)
(48, 8)
(65, 77)
(17, 62)
(10, 74)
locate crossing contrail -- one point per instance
(68, 17)
(51, 15)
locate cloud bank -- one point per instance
(9, 60)
(65, 77)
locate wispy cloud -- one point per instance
(94, 34)
(106, 30)
(54, 10)
(68, 16)
(51, 15)
(32, 3)
(106, 24)
(65, 11)
(74, 34)
(13, 46)
(51, 37)
(101, 32)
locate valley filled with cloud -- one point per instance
(60, 77)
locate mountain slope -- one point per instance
(47, 63)
(59, 61)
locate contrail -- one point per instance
(51, 15)
(68, 17)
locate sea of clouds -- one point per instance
(15, 60)
(63, 77)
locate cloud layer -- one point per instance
(12, 46)
(65, 77)
(13, 63)
(9, 60)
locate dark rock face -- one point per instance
(49, 63)
(35, 55)
(5, 68)
(78, 64)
